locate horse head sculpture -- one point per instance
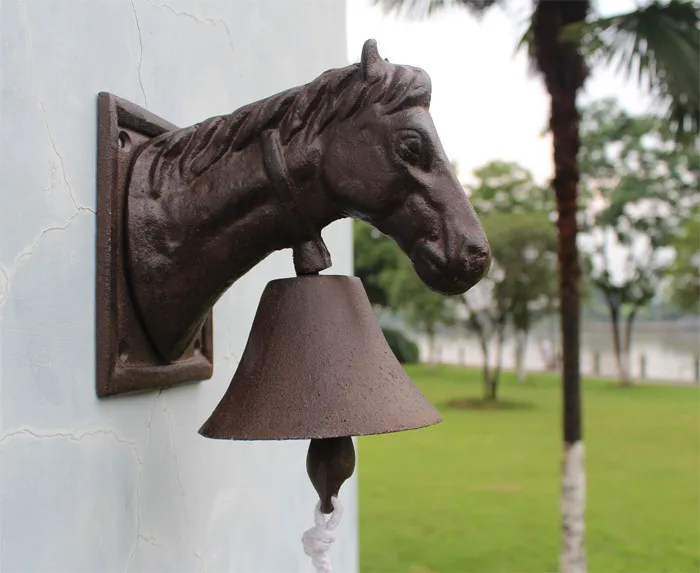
(208, 202)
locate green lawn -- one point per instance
(479, 492)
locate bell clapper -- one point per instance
(329, 462)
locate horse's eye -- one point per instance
(409, 146)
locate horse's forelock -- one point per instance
(346, 92)
(409, 87)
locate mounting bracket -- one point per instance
(126, 360)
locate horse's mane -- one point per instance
(304, 111)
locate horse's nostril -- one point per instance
(469, 249)
(477, 250)
(476, 254)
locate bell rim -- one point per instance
(319, 436)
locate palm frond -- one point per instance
(659, 46)
(527, 44)
(423, 8)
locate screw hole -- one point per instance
(124, 141)
(123, 350)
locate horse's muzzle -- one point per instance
(452, 273)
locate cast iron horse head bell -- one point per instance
(200, 206)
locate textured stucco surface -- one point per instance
(127, 484)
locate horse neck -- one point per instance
(234, 194)
(245, 205)
(234, 209)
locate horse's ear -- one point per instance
(371, 61)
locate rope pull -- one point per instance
(317, 540)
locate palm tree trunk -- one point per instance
(564, 72)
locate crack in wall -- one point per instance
(140, 66)
(200, 560)
(171, 436)
(138, 535)
(231, 357)
(171, 430)
(30, 54)
(199, 20)
(5, 284)
(27, 251)
(72, 436)
(9, 273)
(77, 206)
(150, 541)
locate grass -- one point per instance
(479, 493)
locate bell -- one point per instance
(317, 365)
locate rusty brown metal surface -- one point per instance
(125, 359)
(206, 203)
(183, 213)
(329, 462)
(317, 365)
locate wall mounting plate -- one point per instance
(125, 360)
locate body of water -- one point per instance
(666, 351)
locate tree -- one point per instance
(638, 184)
(506, 187)
(422, 308)
(518, 214)
(487, 310)
(532, 267)
(518, 289)
(657, 43)
(376, 259)
(684, 272)
(391, 283)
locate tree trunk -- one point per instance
(431, 350)
(496, 374)
(556, 346)
(626, 380)
(564, 73)
(520, 347)
(493, 387)
(622, 371)
(486, 369)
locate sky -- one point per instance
(486, 104)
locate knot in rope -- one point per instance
(318, 539)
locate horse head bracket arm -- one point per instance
(184, 212)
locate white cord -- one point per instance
(318, 539)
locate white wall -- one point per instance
(127, 484)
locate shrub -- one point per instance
(405, 350)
